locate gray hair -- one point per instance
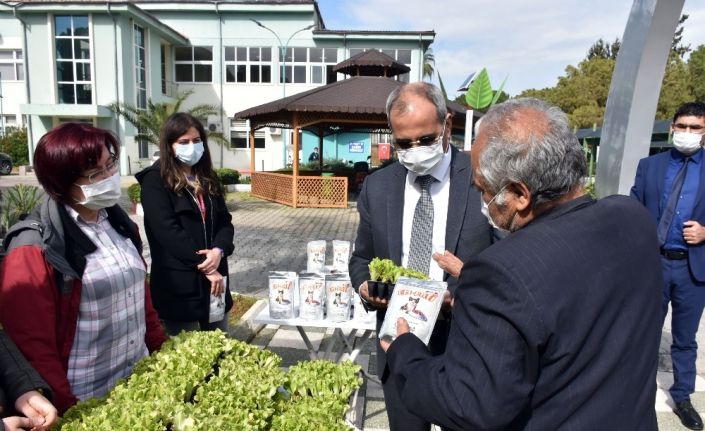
(396, 100)
(542, 153)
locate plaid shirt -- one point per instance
(111, 322)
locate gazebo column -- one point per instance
(252, 151)
(320, 148)
(295, 168)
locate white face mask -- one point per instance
(485, 210)
(189, 154)
(422, 160)
(103, 194)
(686, 142)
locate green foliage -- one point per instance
(606, 50)
(696, 67)
(17, 201)
(386, 271)
(134, 193)
(582, 92)
(202, 381)
(245, 180)
(675, 88)
(337, 165)
(149, 122)
(429, 62)
(228, 176)
(676, 46)
(14, 143)
(479, 94)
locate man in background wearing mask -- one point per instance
(556, 326)
(670, 185)
(421, 213)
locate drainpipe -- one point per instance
(421, 63)
(220, 56)
(25, 70)
(117, 89)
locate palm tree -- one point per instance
(148, 122)
(429, 61)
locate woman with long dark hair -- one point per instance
(189, 229)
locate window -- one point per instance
(402, 56)
(73, 59)
(193, 64)
(11, 65)
(308, 65)
(162, 66)
(239, 138)
(140, 68)
(248, 64)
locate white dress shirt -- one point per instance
(440, 190)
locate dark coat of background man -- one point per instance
(421, 129)
(670, 185)
(556, 326)
(314, 157)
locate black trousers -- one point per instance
(401, 419)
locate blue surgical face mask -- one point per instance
(189, 154)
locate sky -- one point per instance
(528, 42)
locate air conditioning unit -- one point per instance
(275, 131)
(214, 125)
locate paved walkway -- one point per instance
(270, 236)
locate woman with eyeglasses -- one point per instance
(189, 230)
(73, 292)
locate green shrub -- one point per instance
(227, 176)
(18, 201)
(246, 180)
(133, 192)
(14, 143)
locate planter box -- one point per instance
(238, 187)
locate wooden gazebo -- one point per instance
(354, 104)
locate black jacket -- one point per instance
(555, 327)
(16, 377)
(175, 231)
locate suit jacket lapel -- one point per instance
(457, 199)
(701, 190)
(660, 176)
(395, 211)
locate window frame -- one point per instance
(248, 63)
(73, 61)
(17, 64)
(193, 62)
(307, 65)
(238, 130)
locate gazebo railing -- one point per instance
(311, 192)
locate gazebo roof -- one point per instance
(371, 63)
(357, 103)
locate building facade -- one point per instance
(70, 60)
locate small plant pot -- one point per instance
(137, 209)
(380, 289)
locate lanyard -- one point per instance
(202, 206)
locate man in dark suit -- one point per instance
(395, 214)
(556, 326)
(670, 185)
